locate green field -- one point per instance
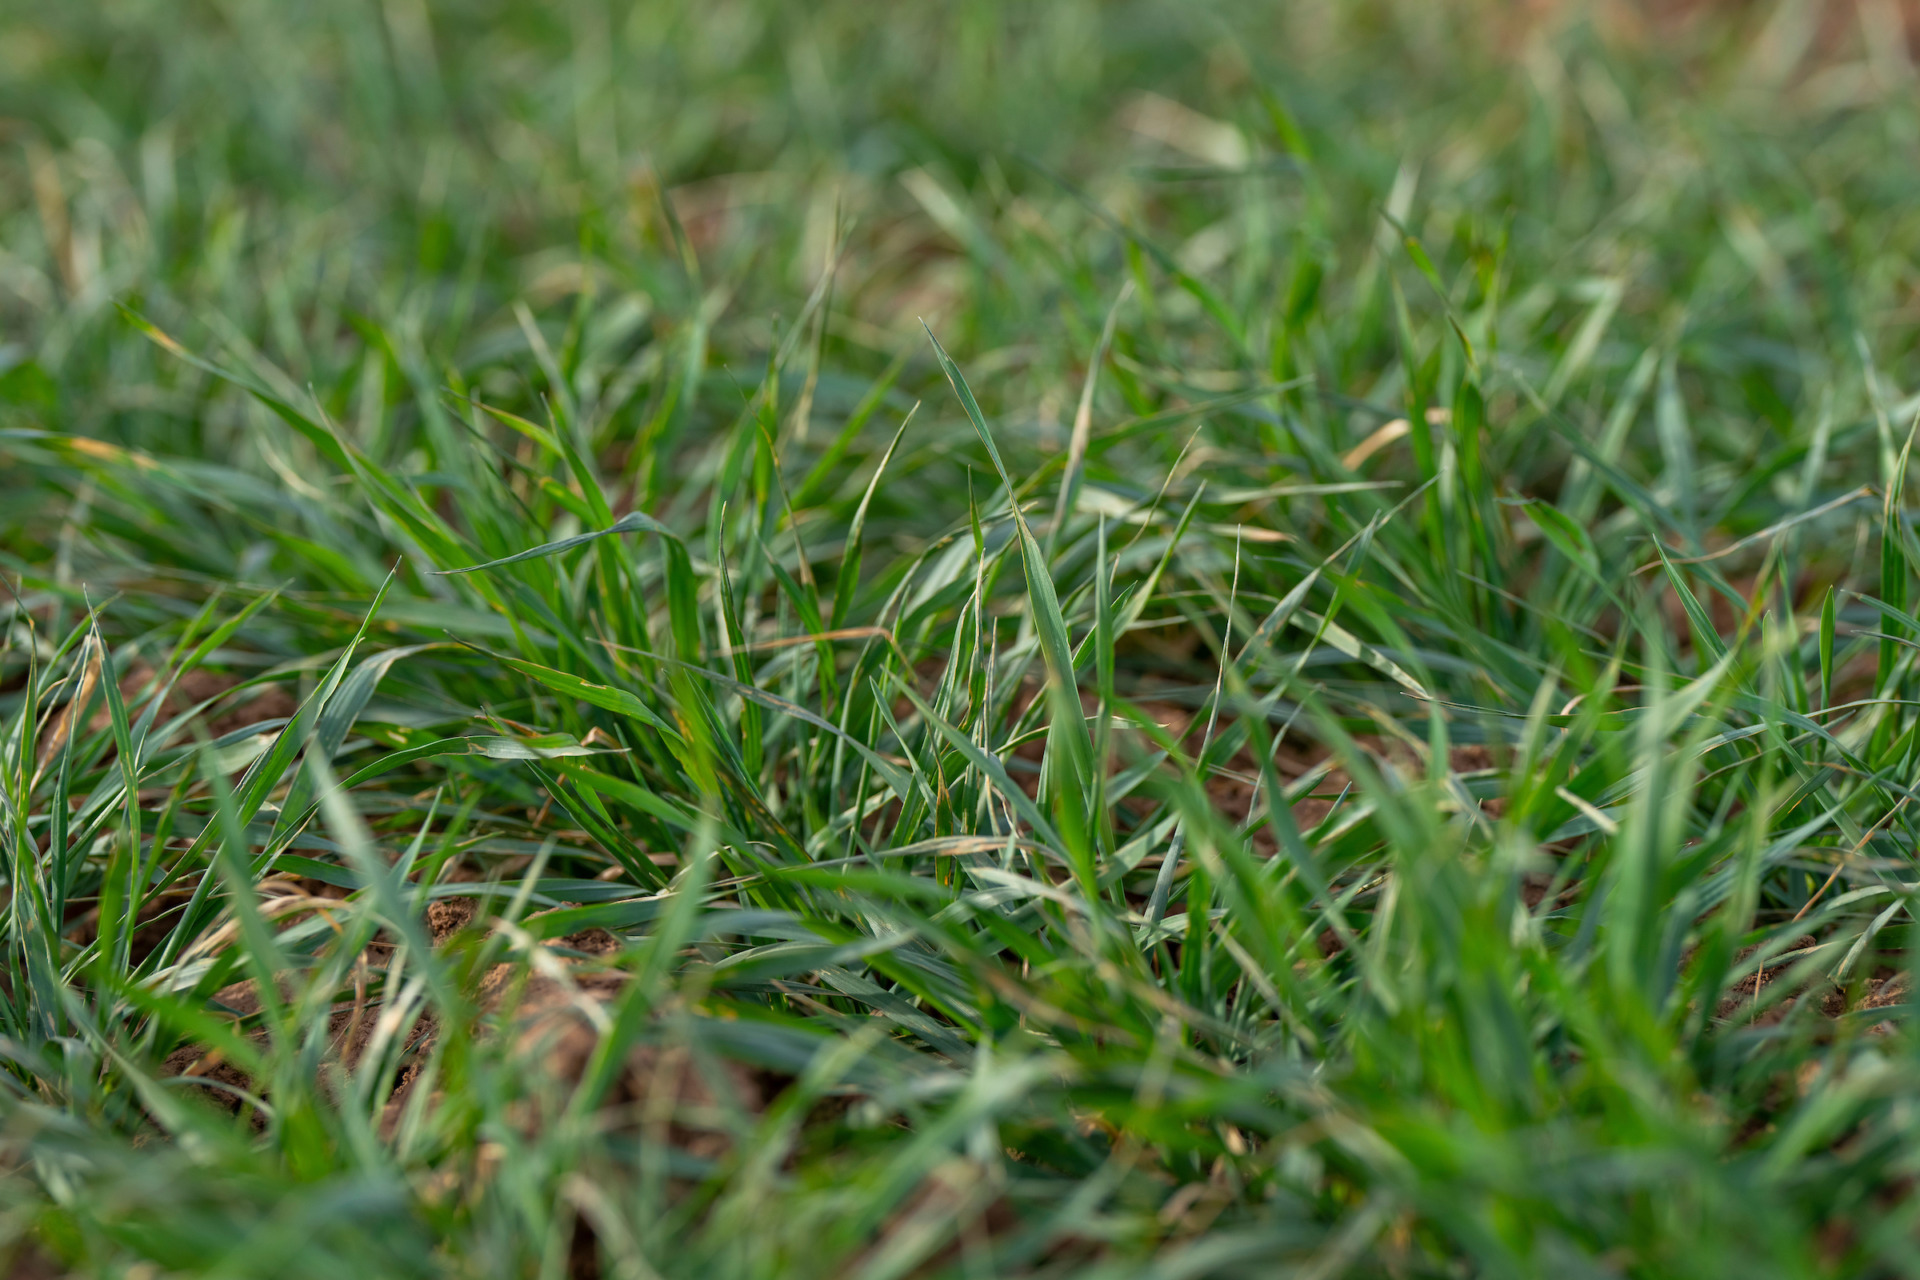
(849, 640)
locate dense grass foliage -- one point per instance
(1345, 705)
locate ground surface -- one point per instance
(1363, 722)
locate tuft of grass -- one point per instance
(1118, 640)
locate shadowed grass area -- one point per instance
(983, 640)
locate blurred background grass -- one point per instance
(278, 179)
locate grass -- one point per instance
(1347, 706)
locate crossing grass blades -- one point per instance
(1345, 705)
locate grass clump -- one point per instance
(1345, 706)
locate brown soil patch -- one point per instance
(28, 1261)
(1234, 785)
(263, 702)
(1840, 31)
(1887, 988)
(551, 1012)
